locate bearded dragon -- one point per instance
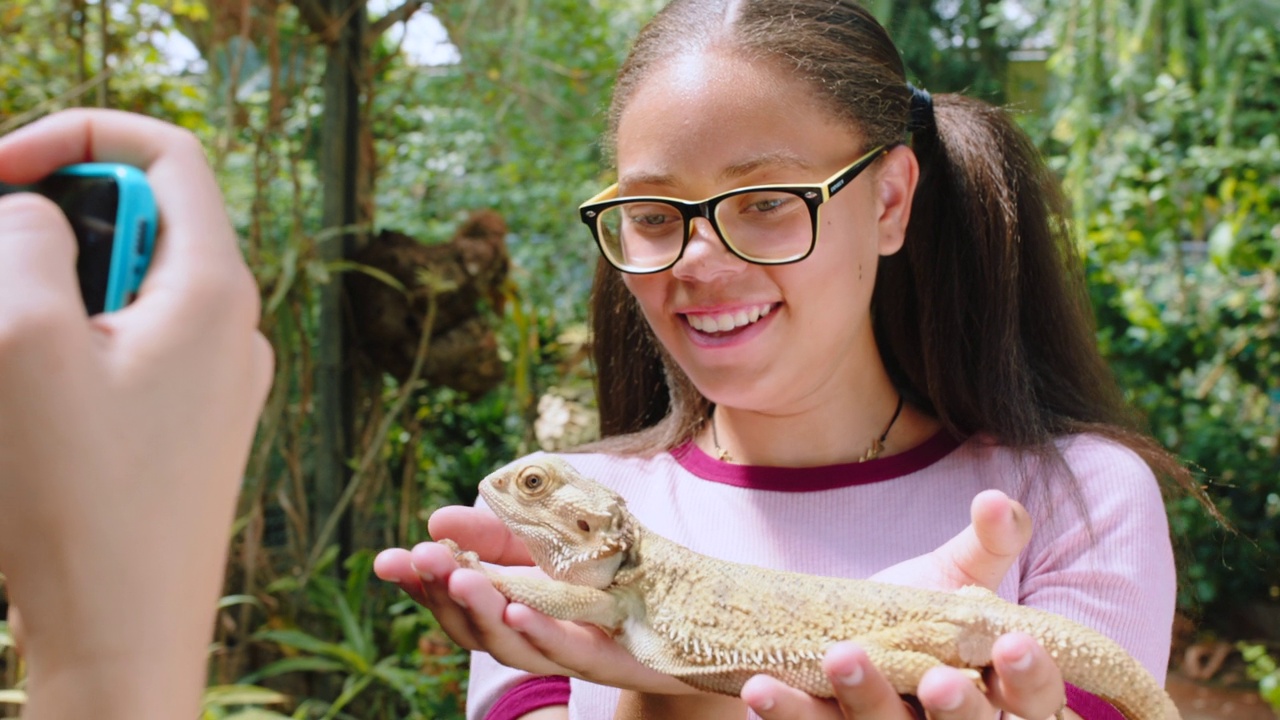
(713, 624)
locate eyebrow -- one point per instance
(778, 158)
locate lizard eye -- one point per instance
(532, 481)
(584, 526)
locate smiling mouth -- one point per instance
(728, 321)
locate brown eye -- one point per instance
(533, 481)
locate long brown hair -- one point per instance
(982, 319)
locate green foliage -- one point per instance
(377, 647)
(1262, 667)
(1164, 127)
(954, 47)
(241, 702)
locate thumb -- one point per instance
(478, 529)
(38, 273)
(982, 553)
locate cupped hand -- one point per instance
(477, 617)
(123, 437)
(1023, 681)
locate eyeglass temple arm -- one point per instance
(837, 183)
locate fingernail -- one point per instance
(1021, 663)
(764, 705)
(458, 601)
(852, 677)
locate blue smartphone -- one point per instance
(113, 214)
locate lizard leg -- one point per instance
(560, 600)
(905, 653)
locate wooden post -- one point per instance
(339, 172)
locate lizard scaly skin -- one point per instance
(713, 624)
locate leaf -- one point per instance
(309, 643)
(294, 664)
(373, 272)
(233, 600)
(224, 695)
(257, 714)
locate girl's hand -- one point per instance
(123, 437)
(1024, 682)
(478, 617)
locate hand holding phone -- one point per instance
(123, 436)
(112, 211)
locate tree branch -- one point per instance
(400, 14)
(318, 19)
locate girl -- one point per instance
(816, 344)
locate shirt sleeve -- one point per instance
(1112, 569)
(531, 693)
(1089, 706)
(490, 685)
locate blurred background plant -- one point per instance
(1161, 117)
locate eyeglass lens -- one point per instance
(765, 225)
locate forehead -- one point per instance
(699, 113)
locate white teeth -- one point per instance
(724, 322)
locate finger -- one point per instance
(773, 699)
(479, 530)
(426, 581)
(860, 690)
(484, 610)
(984, 551)
(84, 135)
(586, 650)
(948, 694)
(198, 255)
(1026, 681)
(38, 274)
(1002, 525)
(395, 566)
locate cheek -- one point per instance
(649, 291)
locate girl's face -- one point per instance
(776, 339)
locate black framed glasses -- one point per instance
(762, 224)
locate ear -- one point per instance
(895, 186)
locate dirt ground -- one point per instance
(1214, 701)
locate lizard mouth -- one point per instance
(724, 322)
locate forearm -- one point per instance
(646, 706)
(159, 688)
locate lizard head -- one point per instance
(576, 529)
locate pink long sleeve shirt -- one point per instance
(1113, 572)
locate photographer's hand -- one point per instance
(123, 437)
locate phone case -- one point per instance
(135, 231)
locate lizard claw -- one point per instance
(465, 558)
(976, 677)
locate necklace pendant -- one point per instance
(724, 455)
(872, 452)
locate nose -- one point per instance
(706, 255)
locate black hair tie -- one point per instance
(921, 116)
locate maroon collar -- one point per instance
(810, 479)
